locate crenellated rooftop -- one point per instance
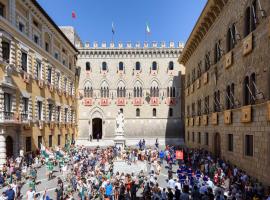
(129, 45)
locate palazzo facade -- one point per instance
(38, 81)
(143, 81)
(227, 91)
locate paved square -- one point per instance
(122, 166)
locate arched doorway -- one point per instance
(97, 128)
(217, 149)
(9, 146)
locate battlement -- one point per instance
(129, 45)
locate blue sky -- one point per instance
(169, 20)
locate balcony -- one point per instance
(154, 101)
(24, 118)
(137, 101)
(171, 101)
(104, 102)
(121, 101)
(88, 102)
(8, 117)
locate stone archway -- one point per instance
(9, 146)
(217, 148)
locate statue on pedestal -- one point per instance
(120, 123)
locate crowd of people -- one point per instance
(88, 173)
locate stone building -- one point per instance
(38, 83)
(227, 84)
(144, 82)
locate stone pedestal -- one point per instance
(3, 154)
(119, 140)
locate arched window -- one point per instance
(138, 66)
(252, 88)
(250, 18)
(154, 112)
(154, 66)
(87, 66)
(171, 65)
(138, 113)
(104, 91)
(104, 66)
(121, 89)
(231, 38)
(88, 90)
(216, 102)
(170, 112)
(217, 53)
(137, 89)
(246, 91)
(121, 66)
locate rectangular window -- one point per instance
(65, 84)
(230, 142)
(249, 145)
(59, 140)
(38, 69)
(7, 102)
(50, 140)
(199, 138)
(50, 111)
(58, 80)
(5, 51)
(2, 10)
(24, 61)
(25, 108)
(193, 137)
(39, 141)
(206, 139)
(28, 144)
(66, 115)
(56, 55)
(58, 113)
(39, 104)
(188, 136)
(21, 27)
(49, 75)
(72, 116)
(47, 46)
(36, 39)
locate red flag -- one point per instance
(73, 14)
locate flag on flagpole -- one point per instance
(73, 15)
(113, 29)
(148, 30)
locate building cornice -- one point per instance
(207, 18)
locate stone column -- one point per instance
(2, 147)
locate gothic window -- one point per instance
(121, 66)
(87, 66)
(193, 75)
(104, 91)
(216, 101)
(207, 61)
(104, 66)
(206, 105)
(199, 107)
(5, 51)
(249, 89)
(217, 53)
(154, 66)
(231, 38)
(250, 18)
(121, 90)
(138, 66)
(199, 70)
(171, 65)
(230, 96)
(193, 109)
(154, 89)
